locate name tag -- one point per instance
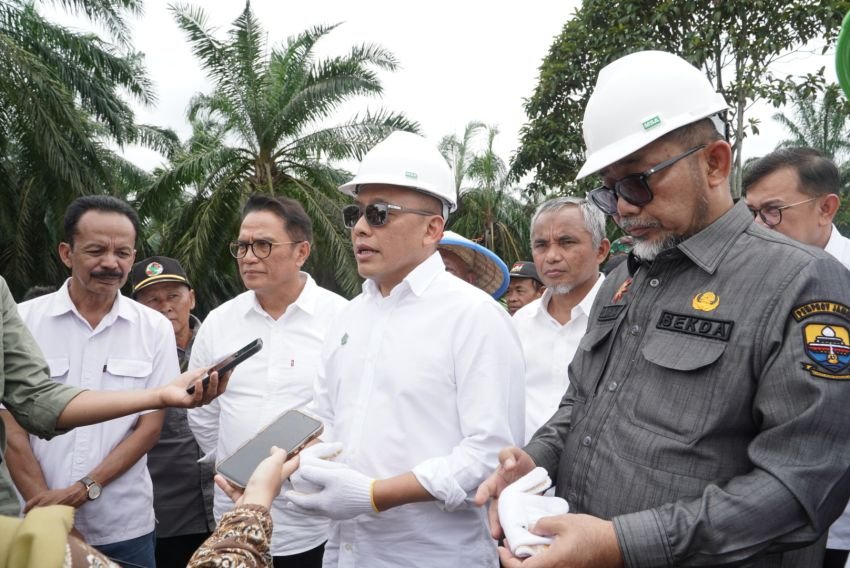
(608, 313)
(696, 325)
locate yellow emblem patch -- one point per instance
(828, 345)
(705, 301)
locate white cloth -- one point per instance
(428, 379)
(521, 506)
(548, 348)
(278, 378)
(131, 348)
(839, 533)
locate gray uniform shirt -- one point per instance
(182, 487)
(707, 408)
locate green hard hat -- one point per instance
(842, 56)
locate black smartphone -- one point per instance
(291, 431)
(230, 362)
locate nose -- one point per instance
(361, 227)
(626, 209)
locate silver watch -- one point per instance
(93, 488)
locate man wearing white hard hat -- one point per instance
(421, 382)
(706, 419)
(474, 263)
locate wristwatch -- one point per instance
(93, 488)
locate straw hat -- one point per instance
(491, 271)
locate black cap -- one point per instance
(154, 270)
(525, 269)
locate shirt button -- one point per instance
(348, 548)
(573, 496)
(654, 282)
(635, 330)
(586, 441)
(612, 386)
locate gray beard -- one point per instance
(561, 289)
(648, 251)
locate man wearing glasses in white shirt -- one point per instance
(286, 309)
(422, 380)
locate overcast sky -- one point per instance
(461, 60)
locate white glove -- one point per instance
(343, 492)
(520, 509)
(322, 451)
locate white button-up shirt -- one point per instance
(549, 348)
(131, 348)
(839, 533)
(279, 377)
(428, 379)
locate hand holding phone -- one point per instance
(230, 362)
(291, 431)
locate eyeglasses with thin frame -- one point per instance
(377, 214)
(260, 247)
(634, 188)
(772, 214)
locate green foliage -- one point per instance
(734, 41)
(60, 107)
(489, 211)
(266, 127)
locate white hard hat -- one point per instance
(408, 160)
(640, 98)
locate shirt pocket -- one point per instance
(672, 395)
(586, 369)
(126, 374)
(58, 368)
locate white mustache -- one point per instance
(631, 222)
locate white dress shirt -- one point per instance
(278, 378)
(131, 348)
(428, 379)
(548, 348)
(839, 533)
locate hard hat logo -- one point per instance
(651, 123)
(411, 175)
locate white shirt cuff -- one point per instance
(437, 479)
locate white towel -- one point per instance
(520, 507)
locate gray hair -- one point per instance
(594, 218)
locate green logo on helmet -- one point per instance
(651, 123)
(411, 175)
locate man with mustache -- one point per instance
(706, 419)
(568, 244)
(95, 338)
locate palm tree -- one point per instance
(489, 212)
(265, 128)
(61, 101)
(457, 152)
(819, 124)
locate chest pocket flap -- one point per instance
(594, 336)
(134, 368)
(681, 352)
(58, 366)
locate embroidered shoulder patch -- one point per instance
(828, 345)
(820, 307)
(608, 313)
(696, 325)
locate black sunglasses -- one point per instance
(634, 188)
(377, 214)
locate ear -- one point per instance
(65, 254)
(434, 230)
(828, 207)
(303, 253)
(602, 251)
(192, 296)
(718, 158)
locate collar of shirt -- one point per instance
(708, 247)
(540, 307)
(61, 303)
(417, 280)
(306, 300)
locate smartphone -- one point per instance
(230, 362)
(291, 431)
